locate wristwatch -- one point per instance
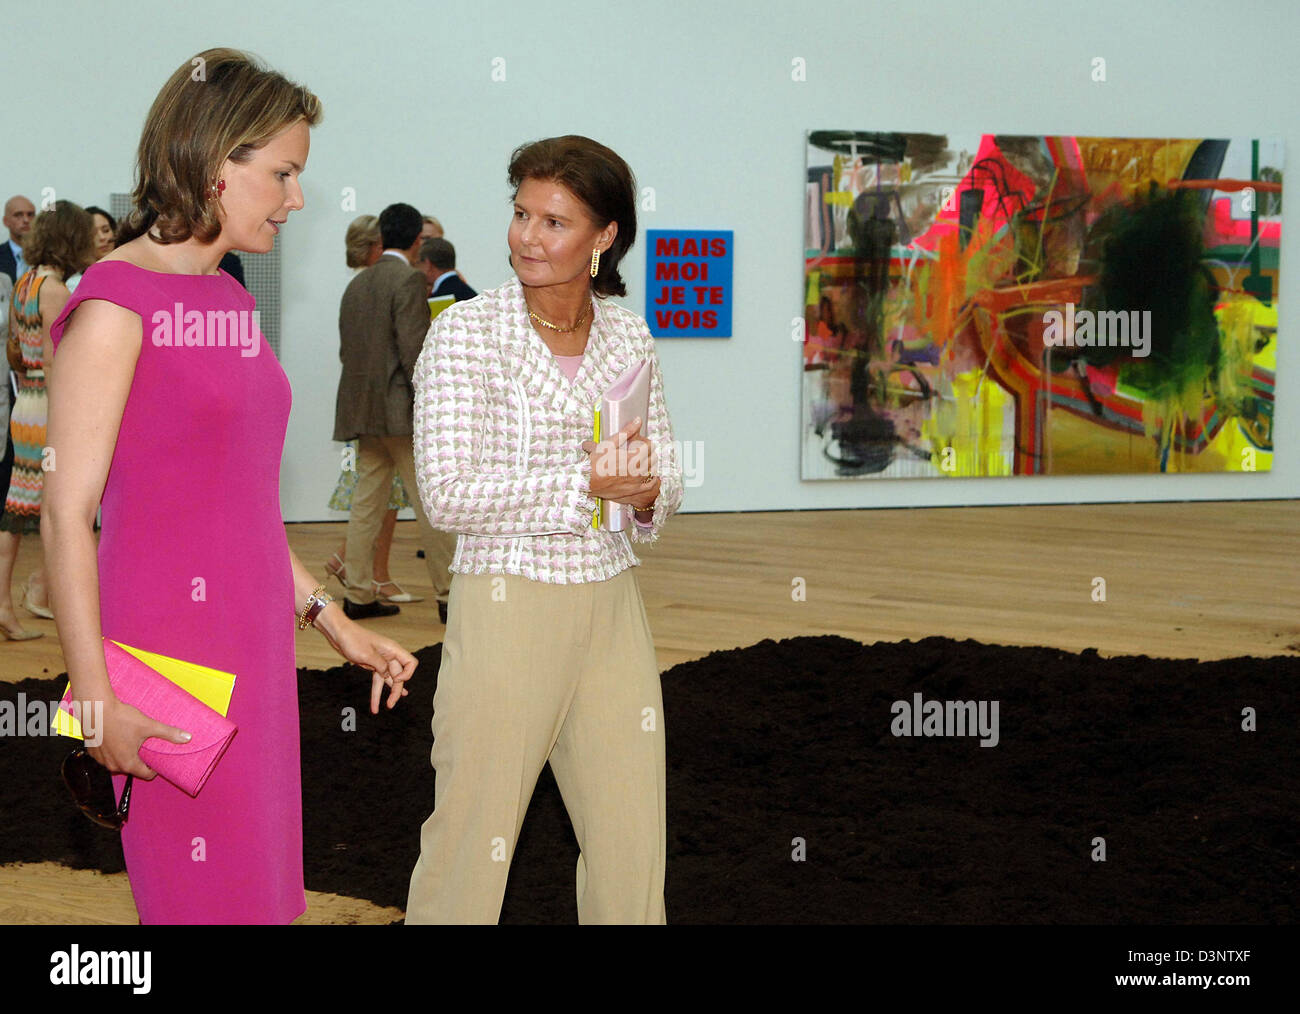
(316, 601)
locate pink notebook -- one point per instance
(185, 765)
(627, 399)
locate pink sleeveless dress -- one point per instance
(194, 563)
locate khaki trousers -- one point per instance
(533, 672)
(377, 459)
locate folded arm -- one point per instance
(451, 406)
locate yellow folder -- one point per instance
(595, 436)
(211, 686)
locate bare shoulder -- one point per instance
(102, 340)
(102, 323)
(55, 290)
(130, 253)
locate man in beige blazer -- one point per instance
(383, 319)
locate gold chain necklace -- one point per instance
(555, 327)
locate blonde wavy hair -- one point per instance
(363, 233)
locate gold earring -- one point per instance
(595, 261)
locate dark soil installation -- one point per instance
(791, 800)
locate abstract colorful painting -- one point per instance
(989, 305)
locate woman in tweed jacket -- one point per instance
(548, 655)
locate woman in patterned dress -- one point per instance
(59, 246)
(548, 656)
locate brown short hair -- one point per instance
(62, 237)
(599, 178)
(222, 104)
(363, 233)
(439, 252)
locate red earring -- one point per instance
(221, 186)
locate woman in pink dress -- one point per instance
(181, 436)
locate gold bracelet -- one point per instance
(316, 601)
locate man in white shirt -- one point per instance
(19, 212)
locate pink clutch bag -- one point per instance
(625, 401)
(185, 765)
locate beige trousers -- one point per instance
(377, 459)
(533, 672)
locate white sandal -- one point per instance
(339, 572)
(401, 596)
(42, 611)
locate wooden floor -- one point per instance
(1186, 580)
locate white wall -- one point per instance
(699, 99)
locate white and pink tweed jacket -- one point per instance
(498, 440)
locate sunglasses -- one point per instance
(92, 790)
